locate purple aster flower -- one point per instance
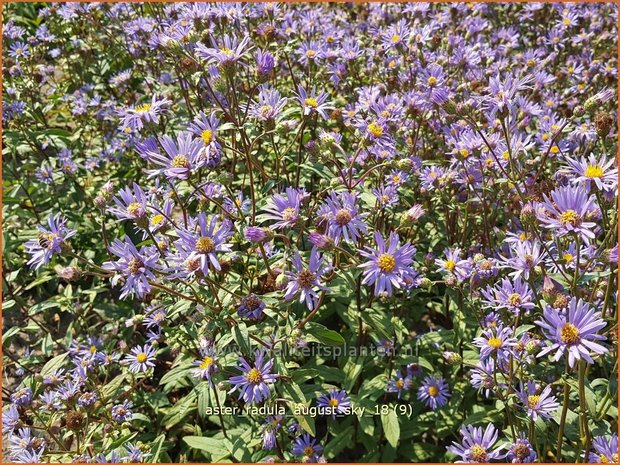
(199, 244)
(525, 256)
(483, 376)
(434, 392)
(155, 318)
(272, 424)
(521, 451)
(605, 449)
(514, 295)
(343, 219)
(269, 104)
(141, 358)
(574, 333)
(312, 103)
(600, 173)
(131, 205)
(497, 342)
(336, 402)
(10, 419)
(206, 130)
(22, 397)
(537, 403)
(225, 52)
(135, 454)
(206, 366)
(181, 158)
(310, 52)
(251, 306)
(476, 446)
(307, 447)
(255, 380)
(122, 412)
(19, 50)
(388, 265)
(454, 264)
(87, 399)
(399, 384)
(134, 118)
(303, 279)
(255, 234)
(264, 63)
(284, 208)
(570, 210)
(49, 241)
(135, 266)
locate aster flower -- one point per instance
(273, 423)
(22, 397)
(399, 384)
(574, 332)
(454, 264)
(269, 104)
(338, 402)
(342, 217)
(10, 419)
(525, 256)
(205, 128)
(307, 447)
(605, 449)
(206, 366)
(514, 295)
(225, 52)
(141, 358)
(135, 266)
(434, 392)
(388, 265)
(303, 280)
(251, 306)
(132, 205)
(496, 342)
(592, 172)
(477, 444)
(537, 403)
(253, 384)
(570, 210)
(49, 241)
(181, 158)
(312, 103)
(521, 451)
(482, 377)
(122, 412)
(134, 118)
(198, 245)
(284, 208)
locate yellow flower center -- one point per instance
(134, 208)
(478, 453)
(205, 245)
(143, 108)
(310, 53)
(432, 81)
(531, 62)
(555, 150)
(157, 219)
(464, 153)
(566, 22)
(569, 216)
(311, 102)
(288, 214)
(432, 391)
(206, 363)
(532, 401)
(343, 217)
(375, 129)
(506, 155)
(395, 38)
(180, 161)
(134, 265)
(450, 265)
(141, 357)
(594, 171)
(495, 342)
(308, 451)
(254, 376)
(207, 136)
(567, 257)
(400, 384)
(386, 263)
(569, 334)
(514, 299)
(334, 403)
(93, 349)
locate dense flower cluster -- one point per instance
(310, 232)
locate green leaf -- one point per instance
(53, 364)
(323, 335)
(391, 427)
(215, 447)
